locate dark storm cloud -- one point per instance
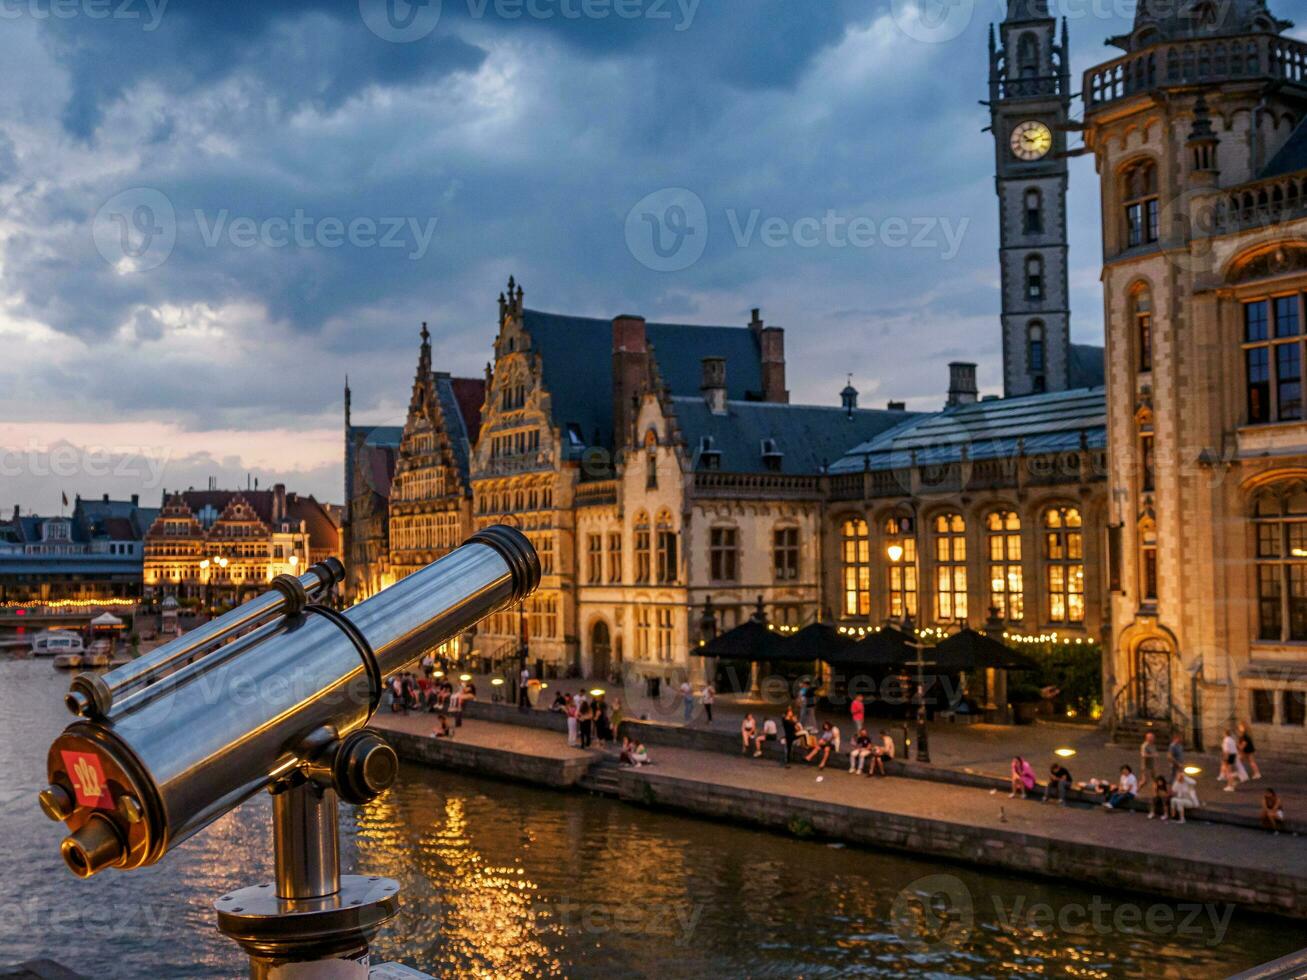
(501, 144)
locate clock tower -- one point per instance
(1029, 100)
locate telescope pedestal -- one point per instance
(313, 922)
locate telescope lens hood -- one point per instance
(515, 549)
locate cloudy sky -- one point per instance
(210, 213)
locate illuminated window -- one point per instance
(643, 631)
(1006, 589)
(1139, 200)
(901, 554)
(785, 553)
(1065, 565)
(855, 555)
(1281, 524)
(723, 554)
(664, 634)
(950, 567)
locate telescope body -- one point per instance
(179, 751)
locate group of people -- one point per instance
(1170, 796)
(815, 744)
(408, 692)
(589, 720)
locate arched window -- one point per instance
(1064, 558)
(855, 557)
(1273, 339)
(901, 552)
(651, 460)
(950, 568)
(1280, 518)
(785, 553)
(1139, 203)
(1141, 314)
(1035, 346)
(642, 548)
(1034, 277)
(1034, 212)
(1028, 55)
(1006, 588)
(666, 546)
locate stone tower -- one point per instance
(1029, 100)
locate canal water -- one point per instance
(506, 881)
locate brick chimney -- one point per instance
(961, 384)
(771, 345)
(630, 374)
(713, 383)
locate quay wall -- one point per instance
(482, 760)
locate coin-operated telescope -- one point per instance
(275, 694)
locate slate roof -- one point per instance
(988, 430)
(461, 422)
(809, 437)
(1085, 367)
(577, 354)
(1291, 157)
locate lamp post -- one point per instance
(204, 574)
(896, 553)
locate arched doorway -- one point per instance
(1153, 679)
(601, 650)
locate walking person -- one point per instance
(857, 711)
(808, 700)
(1230, 764)
(707, 698)
(1148, 758)
(1175, 752)
(524, 683)
(687, 700)
(1247, 751)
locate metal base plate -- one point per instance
(266, 925)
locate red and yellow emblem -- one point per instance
(87, 775)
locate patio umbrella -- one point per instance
(970, 650)
(886, 647)
(751, 640)
(816, 641)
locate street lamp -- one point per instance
(896, 552)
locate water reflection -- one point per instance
(504, 881)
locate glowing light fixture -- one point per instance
(1065, 753)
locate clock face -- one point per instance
(1031, 140)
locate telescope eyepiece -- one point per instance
(365, 766)
(94, 847)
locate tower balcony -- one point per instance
(1031, 87)
(1207, 61)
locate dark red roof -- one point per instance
(471, 395)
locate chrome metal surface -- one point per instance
(198, 742)
(96, 694)
(304, 842)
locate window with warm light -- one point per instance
(1141, 311)
(950, 567)
(1280, 519)
(901, 553)
(615, 557)
(594, 558)
(1006, 588)
(855, 556)
(1064, 564)
(666, 541)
